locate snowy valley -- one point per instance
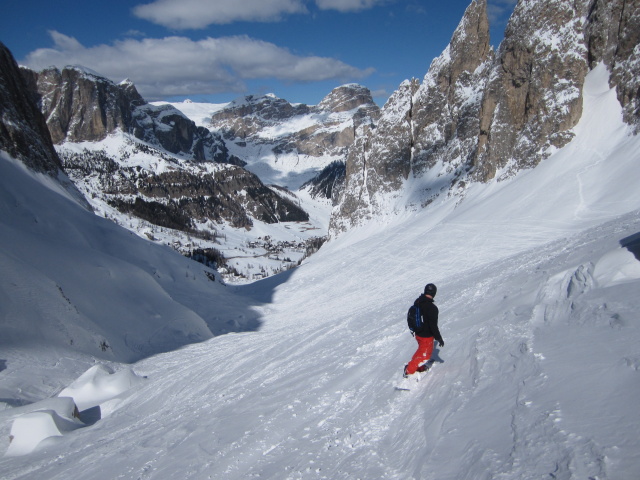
(538, 299)
(121, 358)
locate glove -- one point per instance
(441, 342)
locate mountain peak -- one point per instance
(345, 98)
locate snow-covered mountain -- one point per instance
(538, 294)
(289, 144)
(480, 114)
(82, 106)
(120, 358)
(165, 172)
(172, 181)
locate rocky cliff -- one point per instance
(479, 115)
(421, 126)
(80, 105)
(533, 95)
(23, 130)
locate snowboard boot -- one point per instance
(424, 367)
(404, 373)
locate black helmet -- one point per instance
(430, 289)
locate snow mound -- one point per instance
(98, 385)
(46, 419)
(616, 267)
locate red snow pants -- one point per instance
(423, 353)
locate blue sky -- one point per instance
(218, 50)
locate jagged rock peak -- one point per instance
(445, 107)
(346, 97)
(470, 43)
(267, 107)
(419, 126)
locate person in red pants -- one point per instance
(426, 333)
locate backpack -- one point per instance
(414, 318)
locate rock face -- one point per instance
(444, 110)
(23, 130)
(534, 94)
(480, 115)
(247, 117)
(167, 128)
(612, 36)
(80, 105)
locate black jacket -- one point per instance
(429, 312)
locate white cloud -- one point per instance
(187, 14)
(181, 66)
(349, 5)
(183, 14)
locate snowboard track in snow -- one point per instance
(317, 409)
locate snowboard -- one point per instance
(411, 382)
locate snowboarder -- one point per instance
(427, 332)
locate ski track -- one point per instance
(317, 409)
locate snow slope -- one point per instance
(200, 113)
(539, 377)
(71, 278)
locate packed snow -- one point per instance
(538, 299)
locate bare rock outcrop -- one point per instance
(534, 95)
(23, 130)
(420, 125)
(80, 105)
